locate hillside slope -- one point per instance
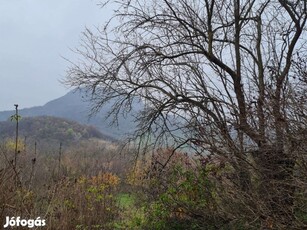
(74, 107)
(50, 129)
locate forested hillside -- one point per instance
(76, 106)
(50, 129)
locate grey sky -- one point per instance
(34, 34)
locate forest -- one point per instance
(91, 182)
(220, 142)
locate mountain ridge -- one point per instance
(74, 106)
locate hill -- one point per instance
(74, 106)
(50, 129)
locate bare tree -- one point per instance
(219, 71)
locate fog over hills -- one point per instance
(74, 107)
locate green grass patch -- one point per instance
(125, 200)
(131, 216)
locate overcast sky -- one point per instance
(34, 35)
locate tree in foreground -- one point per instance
(225, 78)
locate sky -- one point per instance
(35, 35)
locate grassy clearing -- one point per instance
(131, 216)
(125, 200)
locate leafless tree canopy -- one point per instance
(230, 75)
